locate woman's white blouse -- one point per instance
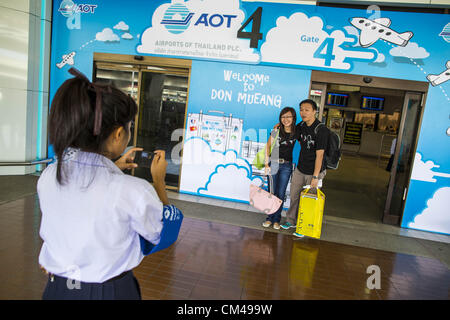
(91, 225)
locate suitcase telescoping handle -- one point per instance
(222, 113)
(215, 111)
(211, 111)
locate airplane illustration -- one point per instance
(67, 59)
(373, 30)
(437, 79)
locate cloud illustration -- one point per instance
(380, 57)
(422, 170)
(412, 51)
(122, 26)
(127, 36)
(301, 40)
(435, 216)
(219, 183)
(200, 161)
(380, 61)
(107, 35)
(351, 30)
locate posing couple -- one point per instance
(310, 165)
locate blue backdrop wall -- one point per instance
(290, 41)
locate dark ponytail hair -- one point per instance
(294, 121)
(76, 108)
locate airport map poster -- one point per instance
(400, 45)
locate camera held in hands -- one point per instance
(144, 158)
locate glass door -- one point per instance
(162, 109)
(403, 158)
(124, 77)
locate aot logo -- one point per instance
(177, 19)
(67, 8)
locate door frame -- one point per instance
(323, 88)
(389, 218)
(175, 72)
(142, 63)
(408, 86)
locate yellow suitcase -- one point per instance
(310, 213)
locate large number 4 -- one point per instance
(328, 45)
(255, 35)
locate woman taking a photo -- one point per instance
(93, 213)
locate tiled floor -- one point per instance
(219, 261)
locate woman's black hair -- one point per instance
(294, 121)
(84, 114)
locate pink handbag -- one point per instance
(263, 200)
